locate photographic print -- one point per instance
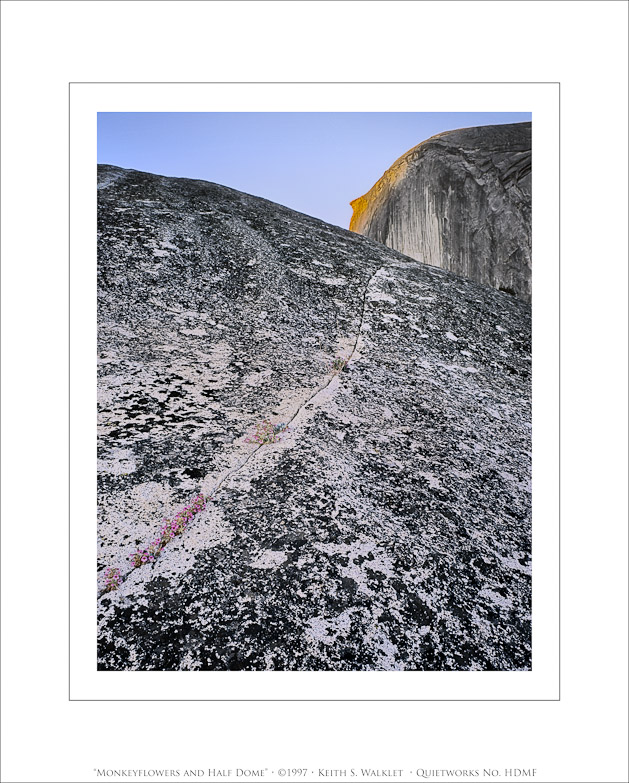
(314, 391)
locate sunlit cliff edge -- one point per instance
(460, 200)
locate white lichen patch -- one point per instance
(495, 598)
(379, 296)
(325, 630)
(433, 481)
(388, 658)
(258, 378)
(459, 368)
(268, 558)
(119, 462)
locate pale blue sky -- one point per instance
(312, 162)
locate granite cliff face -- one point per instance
(385, 524)
(461, 201)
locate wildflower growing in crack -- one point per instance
(266, 432)
(112, 579)
(340, 363)
(170, 529)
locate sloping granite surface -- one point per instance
(461, 201)
(388, 528)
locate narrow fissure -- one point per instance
(238, 468)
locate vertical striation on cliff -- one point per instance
(461, 201)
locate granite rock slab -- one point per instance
(389, 525)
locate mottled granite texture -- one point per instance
(389, 528)
(461, 201)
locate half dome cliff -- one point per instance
(460, 200)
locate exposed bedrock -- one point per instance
(388, 528)
(461, 201)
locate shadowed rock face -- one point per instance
(461, 201)
(389, 528)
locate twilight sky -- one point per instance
(315, 163)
